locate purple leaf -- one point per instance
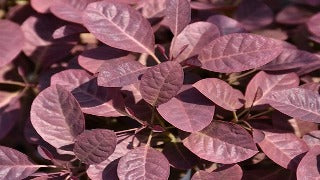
(15, 165)
(118, 73)
(68, 30)
(42, 6)
(195, 36)
(309, 166)
(268, 83)
(119, 26)
(92, 59)
(95, 146)
(189, 110)
(298, 103)
(178, 15)
(257, 135)
(153, 8)
(92, 98)
(312, 86)
(291, 59)
(293, 15)
(161, 82)
(9, 115)
(11, 41)
(143, 163)
(226, 24)
(313, 24)
(312, 138)
(273, 33)
(220, 142)
(57, 108)
(253, 14)
(285, 149)
(228, 172)
(313, 2)
(70, 10)
(221, 93)
(239, 52)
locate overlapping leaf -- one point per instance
(312, 138)
(309, 166)
(178, 15)
(314, 24)
(293, 15)
(15, 165)
(222, 142)
(230, 172)
(118, 73)
(95, 146)
(296, 102)
(11, 41)
(226, 24)
(143, 163)
(68, 30)
(192, 111)
(161, 82)
(285, 149)
(239, 52)
(153, 8)
(57, 108)
(221, 93)
(268, 83)
(195, 37)
(119, 26)
(42, 6)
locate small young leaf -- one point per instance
(239, 52)
(95, 146)
(56, 108)
(228, 172)
(309, 165)
(178, 15)
(285, 149)
(161, 82)
(119, 26)
(220, 93)
(15, 165)
(143, 163)
(189, 110)
(118, 73)
(195, 36)
(219, 142)
(296, 102)
(268, 83)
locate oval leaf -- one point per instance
(219, 142)
(11, 41)
(313, 24)
(15, 165)
(308, 168)
(192, 111)
(195, 36)
(268, 83)
(143, 163)
(57, 108)
(293, 15)
(312, 138)
(95, 146)
(228, 172)
(118, 73)
(68, 30)
(220, 93)
(119, 26)
(239, 52)
(161, 82)
(285, 149)
(226, 24)
(298, 103)
(178, 15)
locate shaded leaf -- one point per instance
(119, 26)
(230, 172)
(222, 142)
(178, 15)
(41, 6)
(239, 52)
(309, 166)
(95, 146)
(268, 83)
(9, 115)
(226, 24)
(293, 15)
(11, 41)
(192, 111)
(313, 24)
(118, 73)
(285, 149)
(57, 108)
(143, 163)
(195, 36)
(161, 82)
(68, 30)
(298, 103)
(15, 165)
(221, 93)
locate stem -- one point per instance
(246, 123)
(235, 117)
(233, 79)
(152, 119)
(242, 113)
(155, 58)
(262, 113)
(127, 130)
(15, 83)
